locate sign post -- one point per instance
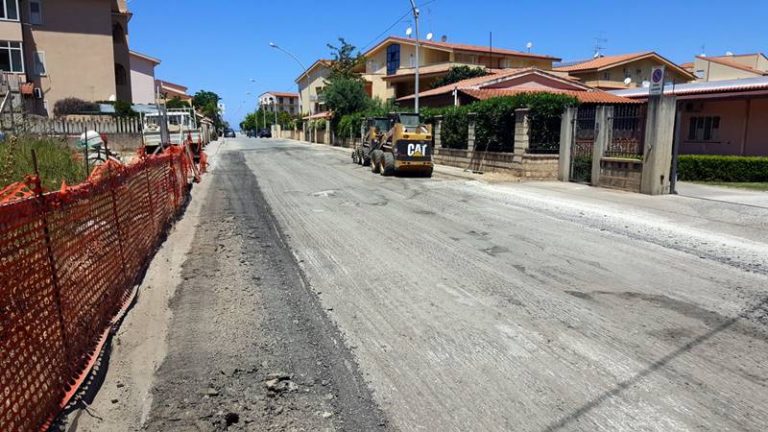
(657, 81)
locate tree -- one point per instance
(176, 102)
(346, 59)
(207, 102)
(459, 73)
(345, 96)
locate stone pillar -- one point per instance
(522, 135)
(313, 132)
(604, 125)
(471, 125)
(327, 137)
(659, 138)
(438, 132)
(567, 129)
(304, 131)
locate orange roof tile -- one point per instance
(478, 82)
(734, 64)
(594, 97)
(463, 47)
(603, 62)
(281, 94)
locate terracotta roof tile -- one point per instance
(281, 94)
(465, 47)
(734, 64)
(602, 62)
(594, 97)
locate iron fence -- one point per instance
(628, 133)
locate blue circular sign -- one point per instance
(658, 75)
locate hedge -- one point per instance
(722, 168)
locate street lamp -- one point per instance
(418, 48)
(303, 70)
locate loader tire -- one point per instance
(375, 158)
(388, 164)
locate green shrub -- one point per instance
(56, 161)
(722, 168)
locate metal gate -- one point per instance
(583, 142)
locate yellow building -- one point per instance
(390, 65)
(624, 71)
(729, 67)
(311, 84)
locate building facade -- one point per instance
(725, 117)
(275, 101)
(390, 66)
(143, 78)
(311, 84)
(167, 91)
(624, 71)
(729, 67)
(66, 48)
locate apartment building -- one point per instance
(390, 65)
(66, 48)
(311, 84)
(276, 101)
(624, 71)
(143, 90)
(728, 67)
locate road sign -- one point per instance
(657, 81)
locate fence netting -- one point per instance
(69, 262)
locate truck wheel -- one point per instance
(388, 164)
(375, 156)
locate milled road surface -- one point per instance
(470, 306)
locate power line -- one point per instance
(399, 20)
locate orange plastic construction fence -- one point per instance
(69, 263)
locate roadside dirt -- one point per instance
(226, 334)
(249, 346)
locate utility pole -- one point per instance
(418, 49)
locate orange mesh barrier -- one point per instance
(69, 262)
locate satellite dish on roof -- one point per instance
(627, 81)
(430, 36)
(646, 84)
(529, 45)
(729, 53)
(408, 32)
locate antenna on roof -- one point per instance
(703, 51)
(529, 45)
(599, 41)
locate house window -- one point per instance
(35, 12)
(9, 10)
(706, 128)
(393, 59)
(606, 75)
(40, 69)
(10, 57)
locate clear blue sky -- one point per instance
(222, 45)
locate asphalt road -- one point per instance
(470, 306)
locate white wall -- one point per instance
(142, 80)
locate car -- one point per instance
(229, 133)
(265, 133)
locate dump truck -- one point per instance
(374, 129)
(406, 147)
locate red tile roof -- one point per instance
(593, 97)
(501, 75)
(734, 64)
(607, 62)
(603, 62)
(282, 94)
(463, 47)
